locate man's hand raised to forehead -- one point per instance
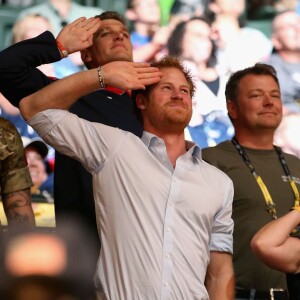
(63, 93)
(78, 35)
(130, 75)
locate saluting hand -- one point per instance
(130, 75)
(78, 35)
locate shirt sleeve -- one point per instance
(15, 174)
(222, 231)
(88, 142)
(19, 76)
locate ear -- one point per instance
(130, 14)
(232, 109)
(276, 43)
(86, 56)
(141, 102)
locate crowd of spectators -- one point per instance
(212, 37)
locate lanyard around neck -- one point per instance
(269, 202)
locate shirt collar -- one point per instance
(150, 140)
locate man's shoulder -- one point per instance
(216, 174)
(221, 156)
(292, 158)
(223, 147)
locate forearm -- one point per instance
(221, 288)
(275, 248)
(276, 232)
(60, 94)
(18, 209)
(219, 279)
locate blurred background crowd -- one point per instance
(212, 37)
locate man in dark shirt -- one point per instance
(102, 39)
(266, 180)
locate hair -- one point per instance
(175, 41)
(130, 4)
(261, 9)
(212, 16)
(232, 86)
(165, 62)
(112, 15)
(22, 25)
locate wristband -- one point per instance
(62, 49)
(101, 80)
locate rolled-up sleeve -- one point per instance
(222, 231)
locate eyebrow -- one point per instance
(168, 82)
(262, 90)
(110, 28)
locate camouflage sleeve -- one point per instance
(15, 174)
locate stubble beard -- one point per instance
(173, 122)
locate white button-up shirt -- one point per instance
(157, 223)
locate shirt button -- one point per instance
(166, 284)
(169, 229)
(167, 255)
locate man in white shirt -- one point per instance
(164, 215)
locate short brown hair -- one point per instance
(173, 62)
(112, 15)
(232, 86)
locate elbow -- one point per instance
(25, 110)
(259, 247)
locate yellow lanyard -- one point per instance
(270, 205)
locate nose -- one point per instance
(31, 162)
(268, 99)
(118, 35)
(177, 94)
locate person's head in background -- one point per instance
(145, 14)
(232, 8)
(287, 134)
(29, 27)
(36, 152)
(286, 35)
(226, 17)
(191, 41)
(183, 10)
(110, 43)
(45, 265)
